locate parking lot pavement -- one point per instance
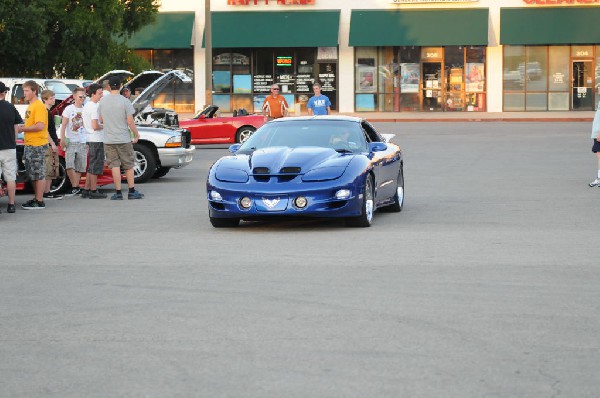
(485, 285)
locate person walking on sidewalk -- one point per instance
(72, 140)
(596, 144)
(35, 131)
(115, 112)
(51, 159)
(318, 104)
(274, 106)
(9, 121)
(95, 141)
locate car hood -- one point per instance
(150, 93)
(284, 160)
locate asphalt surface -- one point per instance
(486, 285)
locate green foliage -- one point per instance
(70, 38)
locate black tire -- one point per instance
(61, 183)
(368, 207)
(145, 163)
(224, 222)
(396, 207)
(161, 172)
(243, 134)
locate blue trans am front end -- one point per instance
(307, 167)
(281, 181)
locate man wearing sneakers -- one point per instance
(115, 112)
(9, 120)
(596, 144)
(52, 152)
(95, 141)
(36, 144)
(72, 140)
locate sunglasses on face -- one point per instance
(81, 96)
(275, 89)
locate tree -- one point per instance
(80, 38)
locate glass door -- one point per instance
(583, 84)
(432, 86)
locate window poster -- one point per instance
(327, 53)
(242, 84)
(223, 102)
(221, 81)
(258, 102)
(409, 78)
(366, 79)
(365, 102)
(475, 77)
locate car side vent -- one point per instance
(261, 170)
(290, 170)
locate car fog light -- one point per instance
(300, 202)
(246, 202)
(214, 195)
(342, 194)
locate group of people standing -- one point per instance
(102, 128)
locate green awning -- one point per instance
(275, 29)
(441, 27)
(550, 25)
(171, 30)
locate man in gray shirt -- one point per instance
(115, 112)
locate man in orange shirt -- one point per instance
(36, 143)
(274, 106)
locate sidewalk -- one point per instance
(585, 116)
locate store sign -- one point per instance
(431, 1)
(278, 2)
(284, 61)
(554, 2)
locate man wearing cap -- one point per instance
(9, 120)
(115, 112)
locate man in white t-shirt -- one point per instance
(72, 140)
(95, 142)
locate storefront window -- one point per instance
(536, 68)
(410, 77)
(558, 78)
(366, 78)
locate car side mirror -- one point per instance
(377, 146)
(234, 148)
(202, 116)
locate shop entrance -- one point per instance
(432, 91)
(583, 86)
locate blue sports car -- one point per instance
(316, 166)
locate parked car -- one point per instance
(161, 147)
(208, 128)
(326, 166)
(16, 97)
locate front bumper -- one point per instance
(176, 157)
(268, 203)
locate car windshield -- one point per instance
(58, 87)
(341, 135)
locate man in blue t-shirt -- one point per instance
(318, 104)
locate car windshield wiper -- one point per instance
(343, 150)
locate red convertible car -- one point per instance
(208, 128)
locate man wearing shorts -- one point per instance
(115, 112)
(95, 141)
(51, 159)
(9, 121)
(36, 144)
(73, 140)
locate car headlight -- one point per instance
(174, 142)
(342, 194)
(214, 195)
(300, 202)
(245, 202)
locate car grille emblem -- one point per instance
(270, 203)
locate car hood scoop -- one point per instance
(285, 161)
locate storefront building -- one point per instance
(389, 55)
